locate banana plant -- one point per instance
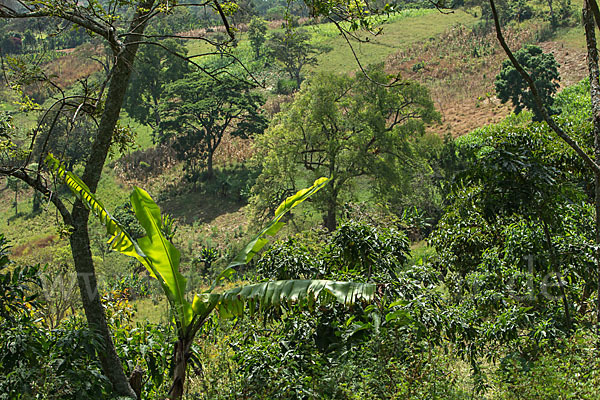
(162, 259)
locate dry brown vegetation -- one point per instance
(74, 65)
(233, 150)
(138, 166)
(459, 68)
(40, 243)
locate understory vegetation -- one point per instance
(260, 203)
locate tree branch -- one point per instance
(37, 184)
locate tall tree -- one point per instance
(293, 50)
(543, 69)
(124, 36)
(155, 68)
(199, 111)
(257, 30)
(344, 128)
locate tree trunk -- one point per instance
(594, 74)
(80, 242)
(94, 312)
(181, 355)
(37, 202)
(553, 21)
(210, 173)
(156, 137)
(16, 202)
(331, 218)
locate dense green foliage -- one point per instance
(424, 266)
(155, 68)
(257, 30)
(197, 113)
(293, 50)
(543, 69)
(36, 362)
(345, 128)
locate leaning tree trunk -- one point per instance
(96, 319)
(80, 242)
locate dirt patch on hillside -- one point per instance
(572, 63)
(40, 243)
(460, 66)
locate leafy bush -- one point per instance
(36, 362)
(364, 252)
(568, 371)
(285, 86)
(289, 260)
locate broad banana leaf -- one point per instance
(260, 240)
(154, 251)
(161, 258)
(273, 294)
(119, 240)
(160, 252)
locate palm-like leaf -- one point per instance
(161, 259)
(154, 251)
(119, 240)
(160, 253)
(260, 240)
(231, 303)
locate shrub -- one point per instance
(285, 86)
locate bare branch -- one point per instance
(362, 69)
(106, 31)
(212, 74)
(441, 7)
(37, 184)
(224, 19)
(205, 39)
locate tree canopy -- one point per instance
(154, 69)
(344, 128)
(293, 50)
(543, 69)
(199, 110)
(257, 33)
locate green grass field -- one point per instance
(401, 33)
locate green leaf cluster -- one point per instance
(543, 69)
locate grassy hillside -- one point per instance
(401, 32)
(434, 48)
